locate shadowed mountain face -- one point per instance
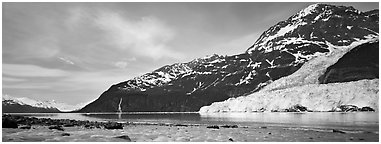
(279, 51)
(359, 63)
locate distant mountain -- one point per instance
(27, 105)
(280, 51)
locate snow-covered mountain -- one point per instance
(280, 51)
(23, 104)
(305, 91)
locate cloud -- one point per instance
(23, 70)
(124, 63)
(66, 60)
(121, 64)
(9, 79)
(147, 36)
(27, 86)
(237, 45)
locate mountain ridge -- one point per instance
(24, 105)
(279, 51)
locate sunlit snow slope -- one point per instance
(302, 90)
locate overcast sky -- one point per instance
(72, 52)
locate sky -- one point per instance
(72, 52)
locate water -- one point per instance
(360, 121)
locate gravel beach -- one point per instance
(31, 129)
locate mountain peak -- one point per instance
(326, 9)
(309, 10)
(317, 25)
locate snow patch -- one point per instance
(281, 32)
(245, 79)
(307, 11)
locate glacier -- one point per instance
(303, 88)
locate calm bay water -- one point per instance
(360, 121)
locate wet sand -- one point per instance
(159, 132)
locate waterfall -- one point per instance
(120, 108)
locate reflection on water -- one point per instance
(359, 121)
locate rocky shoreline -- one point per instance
(20, 128)
(14, 121)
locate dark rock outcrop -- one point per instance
(352, 108)
(297, 108)
(348, 108)
(367, 109)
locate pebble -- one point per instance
(230, 139)
(25, 127)
(161, 139)
(338, 131)
(213, 127)
(113, 125)
(57, 127)
(182, 139)
(181, 125)
(229, 126)
(125, 137)
(65, 134)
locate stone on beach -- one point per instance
(125, 137)
(338, 131)
(181, 125)
(25, 127)
(65, 134)
(57, 127)
(68, 125)
(229, 126)
(113, 125)
(161, 139)
(9, 123)
(213, 127)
